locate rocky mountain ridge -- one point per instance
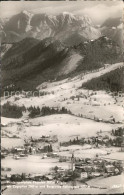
(40, 26)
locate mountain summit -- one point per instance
(40, 26)
(113, 28)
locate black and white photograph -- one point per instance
(62, 97)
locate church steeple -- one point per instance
(73, 162)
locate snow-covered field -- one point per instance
(9, 143)
(33, 164)
(112, 183)
(65, 126)
(90, 103)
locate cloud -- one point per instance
(98, 12)
(101, 12)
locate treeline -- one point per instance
(72, 142)
(113, 81)
(46, 111)
(12, 111)
(116, 141)
(118, 132)
(48, 148)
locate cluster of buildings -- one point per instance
(90, 168)
(114, 138)
(79, 169)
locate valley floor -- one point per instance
(91, 114)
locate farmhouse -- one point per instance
(84, 175)
(64, 158)
(110, 169)
(19, 150)
(95, 174)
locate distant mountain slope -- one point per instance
(30, 62)
(21, 63)
(74, 39)
(97, 53)
(113, 28)
(40, 26)
(113, 81)
(19, 48)
(112, 22)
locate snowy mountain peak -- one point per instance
(42, 25)
(68, 14)
(26, 13)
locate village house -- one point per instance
(3, 155)
(34, 177)
(64, 158)
(49, 177)
(3, 178)
(44, 155)
(106, 65)
(84, 175)
(25, 121)
(61, 170)
(96, 174)
(17, 152)
(8, 176)
(52, 154)
(110, 169)
(4, 151)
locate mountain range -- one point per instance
(39, 47)
(68, 28)
(64, 26)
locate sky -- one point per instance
(98, 10)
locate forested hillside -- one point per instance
(31, 62)
(113, 81)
